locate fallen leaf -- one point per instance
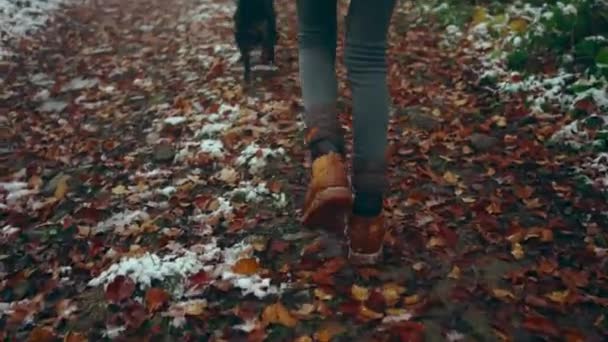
(454, 273)
(246, 266)
(120, 289)
(369, 313)
(450, 178)
(328, 331)
(75, 337)
(392, 293)
(524, 192)
(120, 190)
(518, 25)
(156, 298)
(359, 293)
(517, 251)
(41, 334)
(559, 297)
(62, 187)
(504, 295)
(541, 325)
(278, 314)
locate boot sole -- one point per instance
(365, 258)
(329, 209)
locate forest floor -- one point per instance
(146, 195)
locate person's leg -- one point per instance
(365, 57)
(329, 196)
(317, 53)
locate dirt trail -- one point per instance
(129, 133)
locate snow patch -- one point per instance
(214, 148)
(256, 157)
(21, 18)
(121, 220)
(258, 193)
(210, 258)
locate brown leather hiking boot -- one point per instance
(365, 239)
(329, 197)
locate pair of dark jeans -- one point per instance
(367, 25)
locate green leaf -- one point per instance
(601, 59)
(517, 59)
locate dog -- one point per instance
(255, 25)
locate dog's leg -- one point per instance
(247, 65)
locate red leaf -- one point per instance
(200, 278)
(120, 289)
(541, 325)
(410, 331)
(278, 246)
(156, 298)
(135, 315)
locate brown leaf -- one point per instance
(278, 314)
(328, 331)
(156, 298)
(524, 192)
(120, 289)
(134, 315)
(41, 334)
(541, 325)
(75, 337)
(246, 266)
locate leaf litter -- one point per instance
(483, 242)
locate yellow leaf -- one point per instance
(517, 251)
(392, 292)
(480, 14)
(247, 266)
(322, 295)
(62, 187)
(195, 308)
(411, 300)
(454, 273)
(503, 295)
(558, 296)
(119, 190)
(278, 314)
(450, 177)
(359, 293)
(518, 25)
(303, 339)
(328, 331)
(369, 313)
(435, 242)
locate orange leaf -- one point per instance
(328, 331)
(278, 314)
(41, 334)
(156, 298)
(247, 266)
(75, 337)
(62, 187)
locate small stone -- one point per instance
(419, 119)
(164, 152)
(482, 142)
